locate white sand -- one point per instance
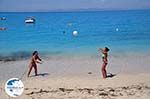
(68, 78)
(86, 87)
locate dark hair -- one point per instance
(107, 49)
(35, 52)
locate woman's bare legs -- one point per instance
(30, 68)
(103, 69)
(35, 70)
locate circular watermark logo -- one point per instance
(14, 87)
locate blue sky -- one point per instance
(49, 5)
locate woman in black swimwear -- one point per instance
(105, 61)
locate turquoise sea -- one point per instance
(121, 31)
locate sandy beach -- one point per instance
(80, 78)
(86, 87)
(90, 49)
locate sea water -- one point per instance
(51, 34)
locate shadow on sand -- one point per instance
(40, 74)
(110, 75)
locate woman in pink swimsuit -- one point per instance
(35, 59)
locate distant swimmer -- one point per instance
(35, 59)
(104, 52)
(2, 28)
(64, 32)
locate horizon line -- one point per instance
(81, 10)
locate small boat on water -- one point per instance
(2, 18)
(30, 20)
(3, 28)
